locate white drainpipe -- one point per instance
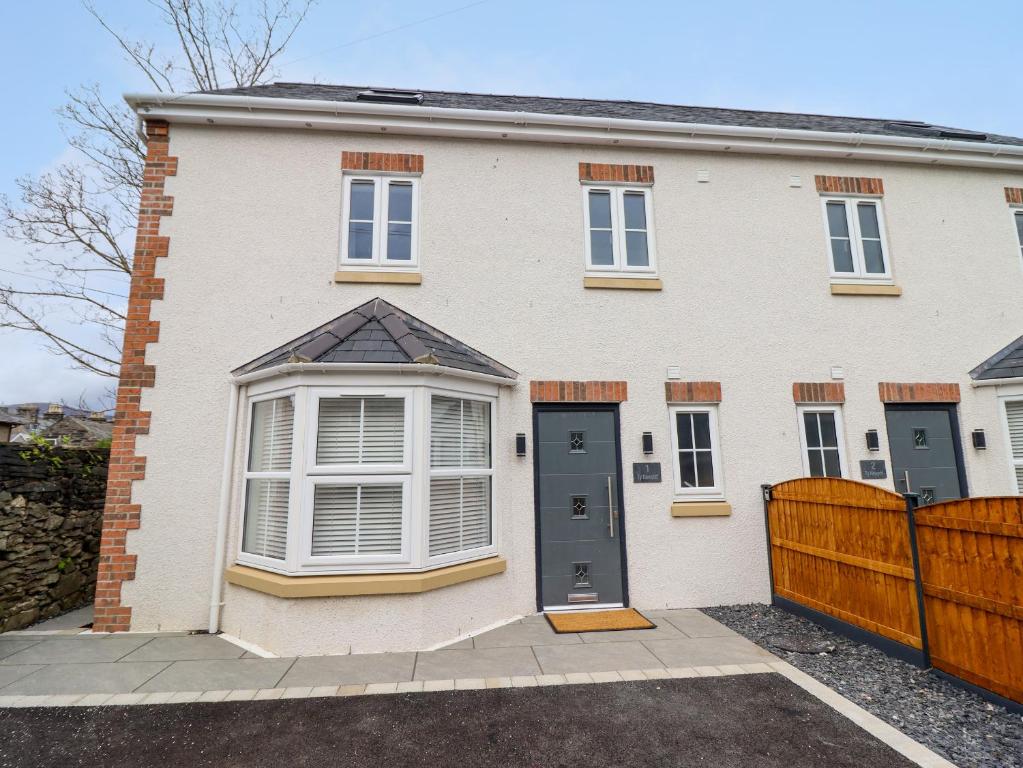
(223, 512)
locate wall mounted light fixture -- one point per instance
(873, 441)
(979, 439)
(520, 444)
(648, 443)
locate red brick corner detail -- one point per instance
(381, 161)
(849, 185)
(818, 392)
(630, 174)
(897, 392)
(1014, 195)
(692, 391)
(120, 515)
(578, 391)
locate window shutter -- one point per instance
(357, 520)
(266, 518)
(273, 422)
(445, 432)
(361, 430)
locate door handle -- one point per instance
(610, 509)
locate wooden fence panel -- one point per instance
(842, 548)
(971, 563)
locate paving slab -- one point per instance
(344, 670)
(459, 645)
(9, 674)
(186, 648)
(477, 663)
(11, 645)
(707, 651)
(595, 657)
(531, 633)
(94, 677)
(219, 674)
(693, 623)
(663, 631)
(78, 649)
(75, 619)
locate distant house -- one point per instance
(8, 423)
(78, 432)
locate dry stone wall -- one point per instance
(51, 513)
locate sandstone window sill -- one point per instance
(624, 283)
(372, 276)
(865, 289)
(350, 585)
(701, 509)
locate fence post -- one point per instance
(912, 500)
(765, 490)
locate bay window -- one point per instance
(367, 479)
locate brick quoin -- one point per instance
(897, 392)
(633, 174)
(578, 391)
(692, 391)
(849, 185)
(818, 392)
(120, 515)
(1014, 195)
(381, 161)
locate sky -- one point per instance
(943, 61)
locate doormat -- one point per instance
(598, 621)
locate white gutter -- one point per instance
(345, 368)
(529, 126)
(996, 382)
(223, 513)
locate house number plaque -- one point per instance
(646, 472)
(873, 469)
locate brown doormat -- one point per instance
(598, 621)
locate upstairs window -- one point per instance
(380, 223)
(1018, 216)
(856, 239)
(619, 232)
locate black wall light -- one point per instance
(873, 442)
(520, 444)
(979, 439)
(648, 443)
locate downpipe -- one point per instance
(223, 512)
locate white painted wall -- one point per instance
(746, 301)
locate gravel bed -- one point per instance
(960, 726)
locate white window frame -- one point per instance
(414, 474)
(620, 264)
(1017, 215)
(1013, 461)
(804, 449)
(379, 261)
(859, 273)
(717, 492)
(469, 554)
(260, 560)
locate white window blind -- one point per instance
(357, 519)
(460, 483)
(1014, 418)
(361, 430)
(268, 478)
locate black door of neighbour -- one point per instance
(577, 466)
(926, 453)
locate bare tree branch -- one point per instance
(78, 218)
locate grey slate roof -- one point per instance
(378, 332)
(631, 110)
(1007, 363)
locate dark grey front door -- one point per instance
(578, 508)
(926, 455)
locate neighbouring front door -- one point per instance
(578, 508)
(926, 454)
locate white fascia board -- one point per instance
(414, 369)
(995, 382)
(200, 109)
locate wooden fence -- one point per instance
(859, 554)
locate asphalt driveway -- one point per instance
(745, 720)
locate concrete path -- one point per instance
(135, 667)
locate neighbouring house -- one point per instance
(77, 432)
(8, 423)
(400, 366)
(36, 418)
